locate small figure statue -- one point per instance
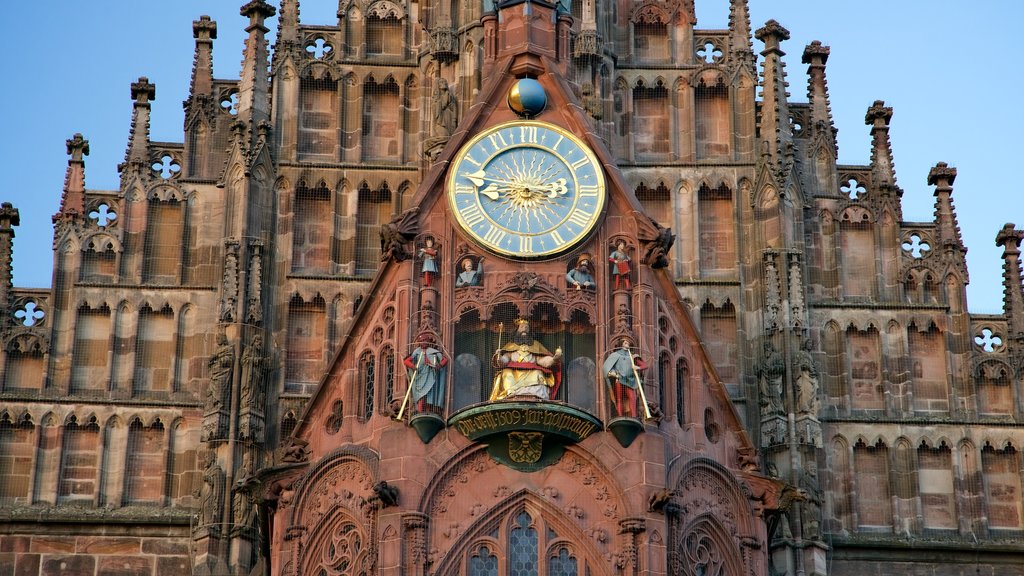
(622, 371)
(807, 401)
(590, 102)
(470, 275)
(526, 367)
(772, 371)
(429, 256)
(221, 363)
(620, 265)
(211, 493)
(244, 506)
(582, 275)
(812, 505)
(427, 371)
(253, 363)
(446, 114)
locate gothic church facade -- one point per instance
(659, 331)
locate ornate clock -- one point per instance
(526, 189)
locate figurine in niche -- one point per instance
(211, 492)
(471, 275)
(526, 367)
(446, 114)
(772, 371)
(807, 401)
(590, 102)
(622, 370)
(428, 254)
(620, 265)
(581, 276)
(427, 371)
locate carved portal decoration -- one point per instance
(472, 487)
(710, 526)
(334, 519)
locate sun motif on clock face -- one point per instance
(526, 189)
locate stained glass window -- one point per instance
(522, 547)
(562, 565)
(369, 373)
(483, 563)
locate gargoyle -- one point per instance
(397, 233)
(657, 241)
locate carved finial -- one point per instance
(72, 201)
(77, 147)
(883, 169)
(143, 92)
(1010, 240)
(739, 33)
(942, 175)
(878, 115)
(9, 217)
(257, 11)
(772, 34)
(204, 29)
(776, 131)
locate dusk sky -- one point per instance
(946, 66)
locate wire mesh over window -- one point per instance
(165, 241)
(374, 209)
(318, 117)
(312, 230)
(651, 133)
(384, 36)
(711, 103)
(650, 41)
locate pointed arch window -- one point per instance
(384, 34)
(651, 134)
(312, 229)
(373, 210)
(523, 545)
(381, 120)
(717, 243)
(368, 371)
(682, 377)
(318, 117)
(166, 241)
(711, 104)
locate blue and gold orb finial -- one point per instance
(527, 97)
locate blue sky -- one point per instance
(949, 69)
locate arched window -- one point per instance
(368, 371)
(318, 117)
(522, 544)
(652, 138)
(165, 241)
(307, 326)
(716, 228)
(682, 377)
(374, 209)
(17, 451)
(387, 376)
(312, 229)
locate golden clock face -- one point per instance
(526, 189)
